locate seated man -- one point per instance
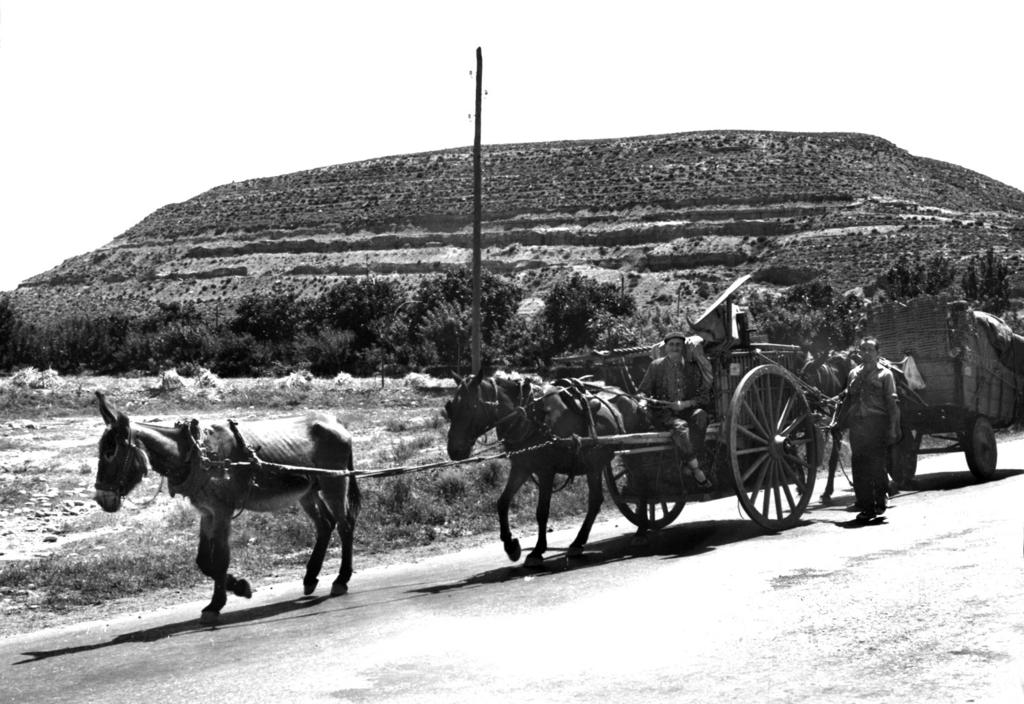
(678, 393)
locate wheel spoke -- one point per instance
(752, 435)
(757, 421)
(796, 423)
(760, 481)
(794, 475)
(778, 501)
(787, 408)
(768, 402)
(789, 496)
(767, 500)
(753, 468)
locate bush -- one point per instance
(575, 309)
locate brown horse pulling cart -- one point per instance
(764, 443)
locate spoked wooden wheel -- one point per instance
(774, 447)
(629, 486)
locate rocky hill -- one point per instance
(673, 218)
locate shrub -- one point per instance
(575, 307)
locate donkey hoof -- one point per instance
(309, 586)
(513, 550)
(209, 618)
(534, 561)
(339, 588)
(574, 551)
(243, 589)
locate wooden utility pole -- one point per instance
(477, 189)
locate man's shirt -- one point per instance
(668, 380)
(872, 391)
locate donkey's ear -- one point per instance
(458, 379)
(108, 414)
(479, 375)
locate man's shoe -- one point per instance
(692, 470)
(865, 517)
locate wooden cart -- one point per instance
(764, 441)
(971, 366)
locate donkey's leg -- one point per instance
(545, 484)
(516, 476)
(216, 528)
(323, 522)
(342, 498)
(595, 495)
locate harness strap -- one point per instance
(196, 475)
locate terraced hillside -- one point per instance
(661, 214)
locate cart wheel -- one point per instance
(979, 444)
(660, 511)
(903, 456)
(774, 447)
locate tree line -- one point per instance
(368, 325)
(359, 326)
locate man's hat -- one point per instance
(673, 334)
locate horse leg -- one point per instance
(595, 495)
(516, 477)
(833, 460)
(545, 485)
(323, 522)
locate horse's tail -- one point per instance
(355, 497)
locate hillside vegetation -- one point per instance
(669, 218)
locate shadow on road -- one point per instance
(923, 483)
(682, 540)
(173, 629)
(946, 481)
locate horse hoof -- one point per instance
(513, 550)
(309, 586)
(574, 551)
(534, 561)
(209, 618)
(337, 589)
(243, 589)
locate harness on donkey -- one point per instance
(208, 472)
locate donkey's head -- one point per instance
(122, 463)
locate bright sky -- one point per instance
(110, 109)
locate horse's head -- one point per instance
(470, 415)
(122, 463)
(829, 370)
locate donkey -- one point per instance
(192, 459)
(513, 408)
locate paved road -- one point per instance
(928, 607)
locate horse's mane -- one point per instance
(505, 377)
